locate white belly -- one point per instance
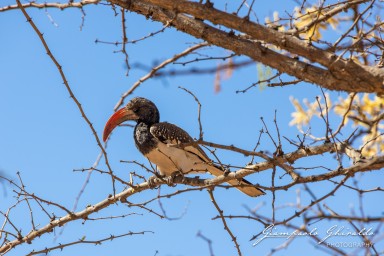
(172, 159)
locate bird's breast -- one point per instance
(170, 159)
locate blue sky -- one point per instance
(45, 138)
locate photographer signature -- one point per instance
(334, 231)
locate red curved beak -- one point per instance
(117, 118)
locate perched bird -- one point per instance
(169, 147)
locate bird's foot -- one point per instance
(171, 179)
(151, 181)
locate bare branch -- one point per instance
(233, 238)
(83, 241)
(209, 242)
(154, 70)
(61, 6)
(199, 112)
(65, 81)
(341, 74)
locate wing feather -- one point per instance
(172, 135)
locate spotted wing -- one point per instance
(171, 135)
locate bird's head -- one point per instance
(138, 109)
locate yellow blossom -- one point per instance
(302, 116)
(372, 106)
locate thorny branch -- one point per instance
(154, 70)
(61, 6)
(371, 164)
(337, 74)
(339, 65)
(84, 241)
(65, 81)
(233, 238)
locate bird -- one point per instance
(168, 146)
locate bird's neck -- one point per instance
(144, 140)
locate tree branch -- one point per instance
(337, 74)
(373, 164)
(61, 6)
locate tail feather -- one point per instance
(246, 187)
(243, 185)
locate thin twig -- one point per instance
(198, 111)
(83, 241)
(209, 242)
(224, 222)
(65, 81)
(154, 70)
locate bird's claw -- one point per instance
(171, 179)
(151, 181)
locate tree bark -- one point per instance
(317, 66)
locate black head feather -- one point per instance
(145, 110)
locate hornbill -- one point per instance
(169, 147)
